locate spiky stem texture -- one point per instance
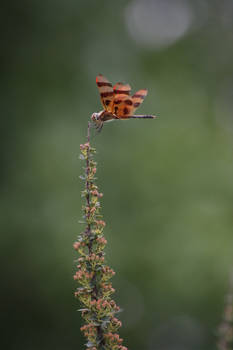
(98, 308)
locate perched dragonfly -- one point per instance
(117, 102)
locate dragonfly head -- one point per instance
(97, 121)
(95, 117)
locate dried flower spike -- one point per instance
(94, 293)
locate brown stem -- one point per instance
(88, 229)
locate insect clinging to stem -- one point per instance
(117, 102)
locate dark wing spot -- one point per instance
(136, 104)
(125, 110)
(105, 94)
(102, 83)
(117, 102)
(128, 102)
(139, 96)
(124, 92)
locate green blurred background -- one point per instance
(167, 184)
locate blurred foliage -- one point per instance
(167, 183)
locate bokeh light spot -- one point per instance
(158, 23)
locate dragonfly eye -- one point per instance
(94, 117)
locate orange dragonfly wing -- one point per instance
(106, 92)
(117, 99)
(138, 98)
(122, 89)
(123, 106)
(121, 98)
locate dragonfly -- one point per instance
(117, 102)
